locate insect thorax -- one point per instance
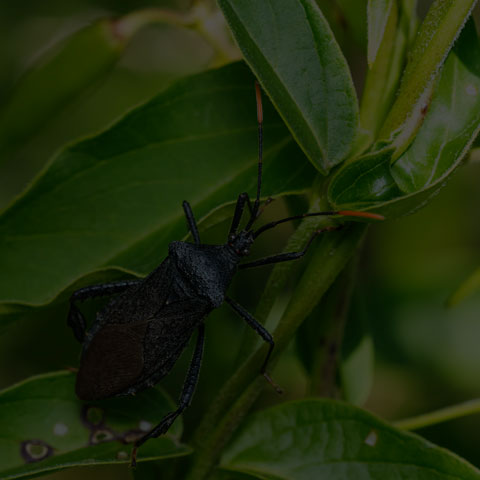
(206, 269)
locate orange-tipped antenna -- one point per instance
(258, 95)
(354, 213)
(256, 205)
(346, 213)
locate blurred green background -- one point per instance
(426, 356)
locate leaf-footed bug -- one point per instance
(137, 338)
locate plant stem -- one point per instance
(337, 305)
(442, 415)
(239, 393)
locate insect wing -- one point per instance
(169, 333)
(113, 361)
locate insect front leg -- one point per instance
(263, 332)
(243, 199)
(285, 257)
(185, 397)
(75, 318)
(192, 224)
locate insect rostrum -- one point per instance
(137, 338)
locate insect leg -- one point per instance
(192, 224)
(262, 331)
(185, 397)
(243, 199)
(285, 257)
(75, 318)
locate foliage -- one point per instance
(108, 205)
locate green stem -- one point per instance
(332, 320)
(239, 393)
(438, 416)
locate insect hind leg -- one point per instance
(188, 390)
(75, 320)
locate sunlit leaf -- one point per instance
(325, 439)
(46, 428)
(291, 49)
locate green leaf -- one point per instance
(357, 371)
(114, 201)
(46, 428)
(224, 475)
(378, 12)
(438, 32)
(358, 353)
(365, 182)
(325, 439)
(383, 77)
(451, 124)
(83, 58)
(467, 288)
(291, 49)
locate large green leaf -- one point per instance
(63, 74)
(450, 126)
(114, 201)
(46, 428)
(291, 49)
(325, 439)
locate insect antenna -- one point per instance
(345, 213)
(255, 210)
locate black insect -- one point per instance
(137, 338)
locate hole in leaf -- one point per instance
(100, 436)
(35, 450)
